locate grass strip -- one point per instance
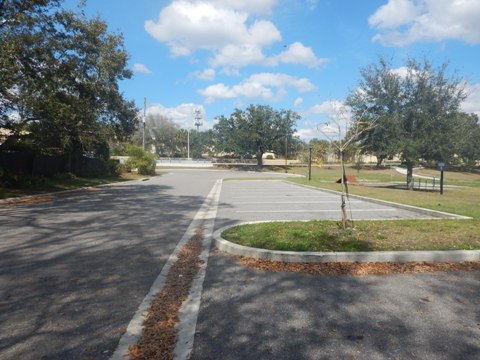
(326, 236)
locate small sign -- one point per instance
(441, 166)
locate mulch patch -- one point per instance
(159, 333)
(357, 268)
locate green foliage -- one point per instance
(416, 113)
(65, 70)
(114, 167)
(144, 162)
(254, 131)
(467, 133)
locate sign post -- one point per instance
(441, 167)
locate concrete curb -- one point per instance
(319, 257)
(433, 213)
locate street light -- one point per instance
(188, 144)
(144, 116)
(310, 163)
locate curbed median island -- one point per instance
(370, 241)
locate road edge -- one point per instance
(135, 326)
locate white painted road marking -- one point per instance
(309, 211)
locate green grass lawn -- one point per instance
(461, 196)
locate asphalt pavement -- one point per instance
(248, 314)
(74, 271)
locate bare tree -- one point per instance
(343, 132)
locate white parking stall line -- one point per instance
(310, 211)
(289, 202)
(276, 196)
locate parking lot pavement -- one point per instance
(258, 200)
(253, 314)
(248, 314)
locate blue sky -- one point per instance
(304, 55)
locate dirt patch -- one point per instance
(159, 333)
(356, 268)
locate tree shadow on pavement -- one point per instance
(248, 314)
(73, 271)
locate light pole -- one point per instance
(144, 116)
(188, 144)
(310, 163)
(286, 153)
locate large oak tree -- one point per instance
(59, 80)
(254, 131)
(416, 109)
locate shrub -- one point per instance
(114, 167)
(144, 162)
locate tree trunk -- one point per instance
(260, 160)
(380, 159)
(410, 175)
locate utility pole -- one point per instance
(144, 117)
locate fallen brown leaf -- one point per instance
(357, 268)
(159, 333)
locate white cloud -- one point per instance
(231, 30)
(306, 133)
(327, 108)
(183, 114)
(297, 53)
(334, 118)
(472, 103)
(298, 101)
(401, 71)
(141, 69)
(217, 91)
(250, 6)
(207, 74)
(266, 86)
(393, 14)
(403, 22)
(236, 56)
(186, 26)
